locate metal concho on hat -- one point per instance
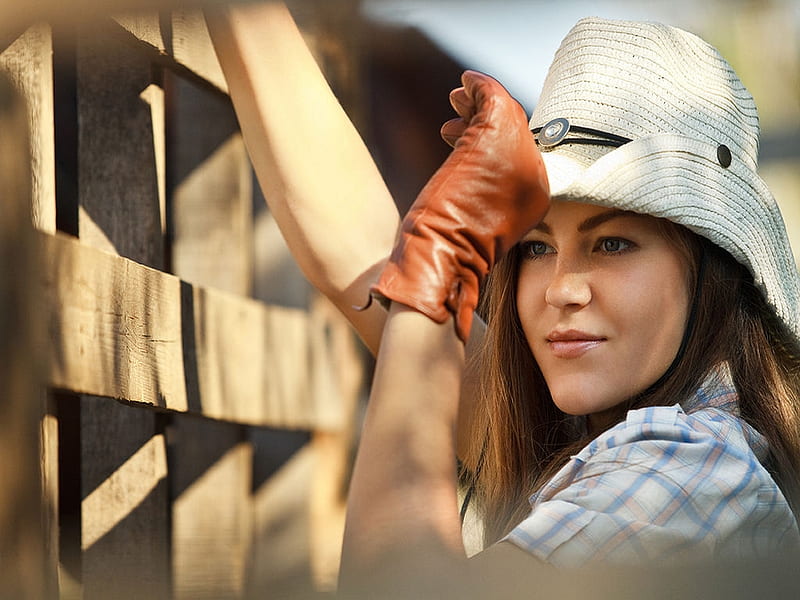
(555, 131)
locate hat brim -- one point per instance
(681, 179)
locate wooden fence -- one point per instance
(194, 423)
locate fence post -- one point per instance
(123, 463)
(22, 553)
(209, 193)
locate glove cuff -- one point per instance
(436, 297)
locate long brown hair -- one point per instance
(521, 439)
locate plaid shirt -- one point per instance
(667, 483)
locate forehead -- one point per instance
(586, 217)
(585, 208)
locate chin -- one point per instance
(583, 400)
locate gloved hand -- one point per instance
(490, 191)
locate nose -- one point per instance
(568, 287)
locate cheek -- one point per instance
(635, 298)
(655, 308)
(529, 299)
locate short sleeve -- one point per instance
(662, 485)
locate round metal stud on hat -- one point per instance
(553, 132)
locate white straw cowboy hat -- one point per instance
(651, 119)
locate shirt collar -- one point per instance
(718, 391)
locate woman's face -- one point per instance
(603, 300)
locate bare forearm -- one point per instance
(319, 179)
(403, 491)
(322, 185)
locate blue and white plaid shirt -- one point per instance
(667, 483)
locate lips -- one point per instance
(572, 343)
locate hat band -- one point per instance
(555, 132)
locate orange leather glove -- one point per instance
(490, 191)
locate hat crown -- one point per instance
(636, 79)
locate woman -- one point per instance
(691, 163)
(638, 378)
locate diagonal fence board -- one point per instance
(180, 37)
(122, 330)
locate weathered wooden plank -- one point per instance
(48, 460)
(300, 487)
(122, 330)
(340, 375)
(66, 408)
(285, 468)
(210, 186)
(16, 15)
(124, 507)
(284, 464)
(22, 546)
(146, 27)
(277, 278)
(123, 462)
(181, 37)
(27, 61)
(211, 477)
(191, 46)
(117, 171)
(110, 336)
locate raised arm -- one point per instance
(488, 193)
(318, 177)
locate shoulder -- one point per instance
(671, 453)
(656, 485)
(669, 428)
(664, 457)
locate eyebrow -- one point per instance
(592, 222)
(604, 217)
